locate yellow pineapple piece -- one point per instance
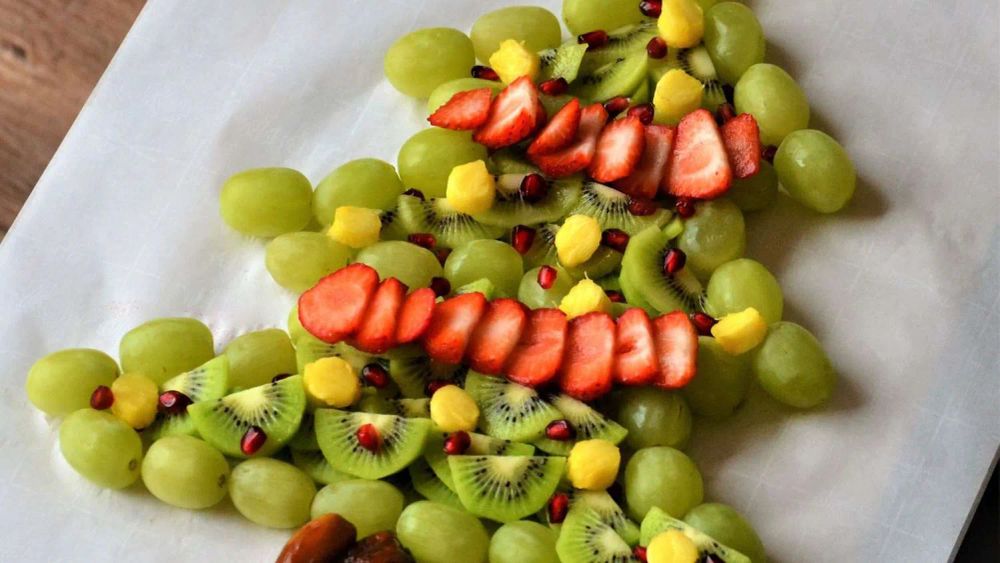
(677, 94)
(585, 297)
(577, 240)
(513, 60)
(593, 464)
(136, 397)
(356, 227)
(331, 382)
(453, 409)
(471, 188)
(681, 23)
(740, 332)
(671, 546)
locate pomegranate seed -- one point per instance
(485, 72)
(644, 112)
(642, 207)
(368, 437)
(172, 403)
(457, 443)
(650, 8)
(769, 152)
(533, 188)
(425, 240)
(442, 254)
(594, 39)
(656, 48)
(375, 375)
(560, 431)
(674, 261)
(558, 507)
(435, 384)
(554, 87)
(253, 440)
(521, 238)
(547, 276)
(616, 239)
(102, 398)
(415, 193)
(280, 376)
(703, 323)
(684, 207)
(639, 552)
(614, 296)
(725, 113)
(616, 105)
(441, 286)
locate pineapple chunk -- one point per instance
(356, 227)
(681, 23)
(471, 188)
(593, 464)
(585, 297)
(513, 60)
(677, 94)
(741, 332)
(577, 240)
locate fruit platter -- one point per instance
(582, 282)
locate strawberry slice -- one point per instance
(590, 356)
(378, 329)
(699, 167)
(560, 131)
(577, 156)
(538, 355)
(677, 350)
(741, 137)
(635, 351)
(514, 114)
(619, 149)
(452, 325)
(465, 111)
(644, 183)
(496, 336)
(415, 315)
(334, 308)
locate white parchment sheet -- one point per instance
(902, 287)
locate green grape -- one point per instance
(444, 92)
(185, 472)
(582, 16)
(537, 27)
(295, 329)
(101, 448)
(653, 417)
(706, 5)
(271, 493)
(266, 202)
(715, 235)
(426, 159)
(494, 260)
(662, 477)
(734, 39)
(437, 533)
(163, 348)
(728, 527)
(365, 182)
(743, 283)
(372, 506)
(411, 264)
(256, 357)
(523, 541)
(756, 192)
(421, 60)
(63, 381)
(297, 261)
(793, 368)
(722, 381)
(532, 294)
(815, 170)
(777, 103)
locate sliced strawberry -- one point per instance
(589, 359)
(635, 352)
(333, 309)
(415, 316)
(514, 114)
(560, 131)
(378, 329)
(699, 167)
(496, 336)
(644, 183)
(619, 149)
(676, 349)
(577, 156)
(538, 355)
(741, 137)
(452, 325)
(465, 111)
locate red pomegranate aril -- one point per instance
(547, 276)
(703, 323)
(533, 188)
(674, 261)
(642, 207)
(616, 105)
(554, 86)
(521, 238)
(368, 437)
(769, 152)
(425, 240)
(614, 296)
(615, 239)
(442, 254)
(639, 552)
(650, 8)
(560, 431)
(485, 72)
(441, 286)
(644, 112)
(102, 398)
(435, 384)
(280, 376)
(457, 443)
(558, 507)
(684, 207)
(725, 113)
(594, 39)
(253, 440)
(415, 193)
(375, 375)
(656, 48)
(173, 403)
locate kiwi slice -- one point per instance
(276, 408)
(316, 466)
(510, 209)
(505, 488)
(696, 62)
(437, 217)
(641, 94)
(618, 77)
(304, 439)
(622, 42)
(507, 410)
(645, 285)
(402, 441)
(543, 252)
(511, 160)
(479, 444)
(610, 207)
(585, 421)
(586, 537)
(562, 62)
(203, 383)
(427, 483)
(392, 227)
(657, 521)
(411, 369)
(406, 408)
(608, 510)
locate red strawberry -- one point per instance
(590, 356)
(677, 350)
(415, 316)
(741, 136)
(699, 166)
(452, 325)
(560, 131)
(378, 329)
(465, 111)
(514, 114)
(497, 335)
(619, 149)
(635, 351)
(538, 355)
(644, 183)
(334, 308)
(577, 156)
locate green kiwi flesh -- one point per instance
(305, 438)
(392, 227)
(479, 444)
(427, 483)
(645, 285)
(316, 466)
(562, 62)
(510, 160)
(622, 42)
(609, 511)
(204, 383)
(507, 410)
(657, 521)
(402, 441)
(585, 537)
(411, 369)
(619, 77)
(696, 62)
(505, 488)
(510, 209)
(610, 207)
(585, 421)
(449, 227)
